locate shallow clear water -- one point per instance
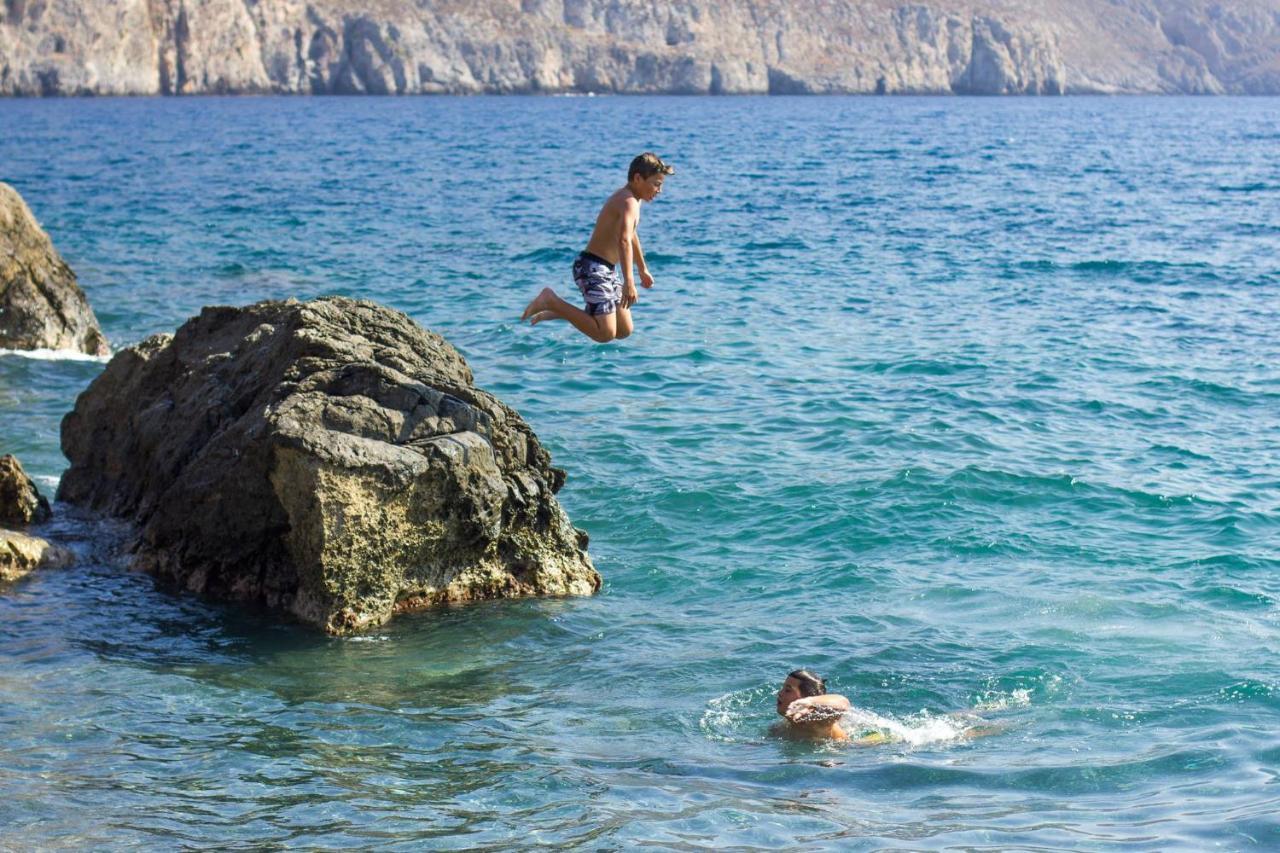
(970, 405)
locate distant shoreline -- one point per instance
(140, 96)
(725, 47)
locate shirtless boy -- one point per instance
(614, 240)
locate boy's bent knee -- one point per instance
(622, 323)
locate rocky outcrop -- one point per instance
(41, 306)
(329, 459)
(20, 501)
(21, 554)
(22, 504)
(703, 46)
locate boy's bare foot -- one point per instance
(540, 316)
(538, 304)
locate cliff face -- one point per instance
(67, 47)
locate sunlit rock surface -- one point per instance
(21, 503)
(22, 553)
(41, 305)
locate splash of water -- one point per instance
(734, 717)
(744, 716)
(921, 729)
(1003, 701)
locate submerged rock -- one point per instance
(330, 459)
(41, 306)
(21, 554)
(20, 501)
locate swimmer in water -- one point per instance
(811, 713)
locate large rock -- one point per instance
(20, 501)
(21, 554)
(41, 306)
(710, 46)
(329, 458)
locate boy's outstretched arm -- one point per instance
(823, 707)
(627, 228)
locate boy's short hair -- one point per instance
(647, 165)
(810, 684)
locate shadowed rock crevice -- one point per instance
(330, 459)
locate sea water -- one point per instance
(971, 406)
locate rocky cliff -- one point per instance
(67, 47)
(330, 459)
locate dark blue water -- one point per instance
(970, 405)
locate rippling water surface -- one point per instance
(970, 405)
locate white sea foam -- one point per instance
(55, 355)
(49, 483)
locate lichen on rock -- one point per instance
(330, 459)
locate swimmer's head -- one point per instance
(799, 684)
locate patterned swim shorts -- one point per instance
(598, 282)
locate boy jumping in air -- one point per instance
(608, 312)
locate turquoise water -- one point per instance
(969, 405)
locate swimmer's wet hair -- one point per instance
(649, 164)
(810, 684)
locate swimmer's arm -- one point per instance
(817, 707)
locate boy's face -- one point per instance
(647, 189)
(789, 693)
